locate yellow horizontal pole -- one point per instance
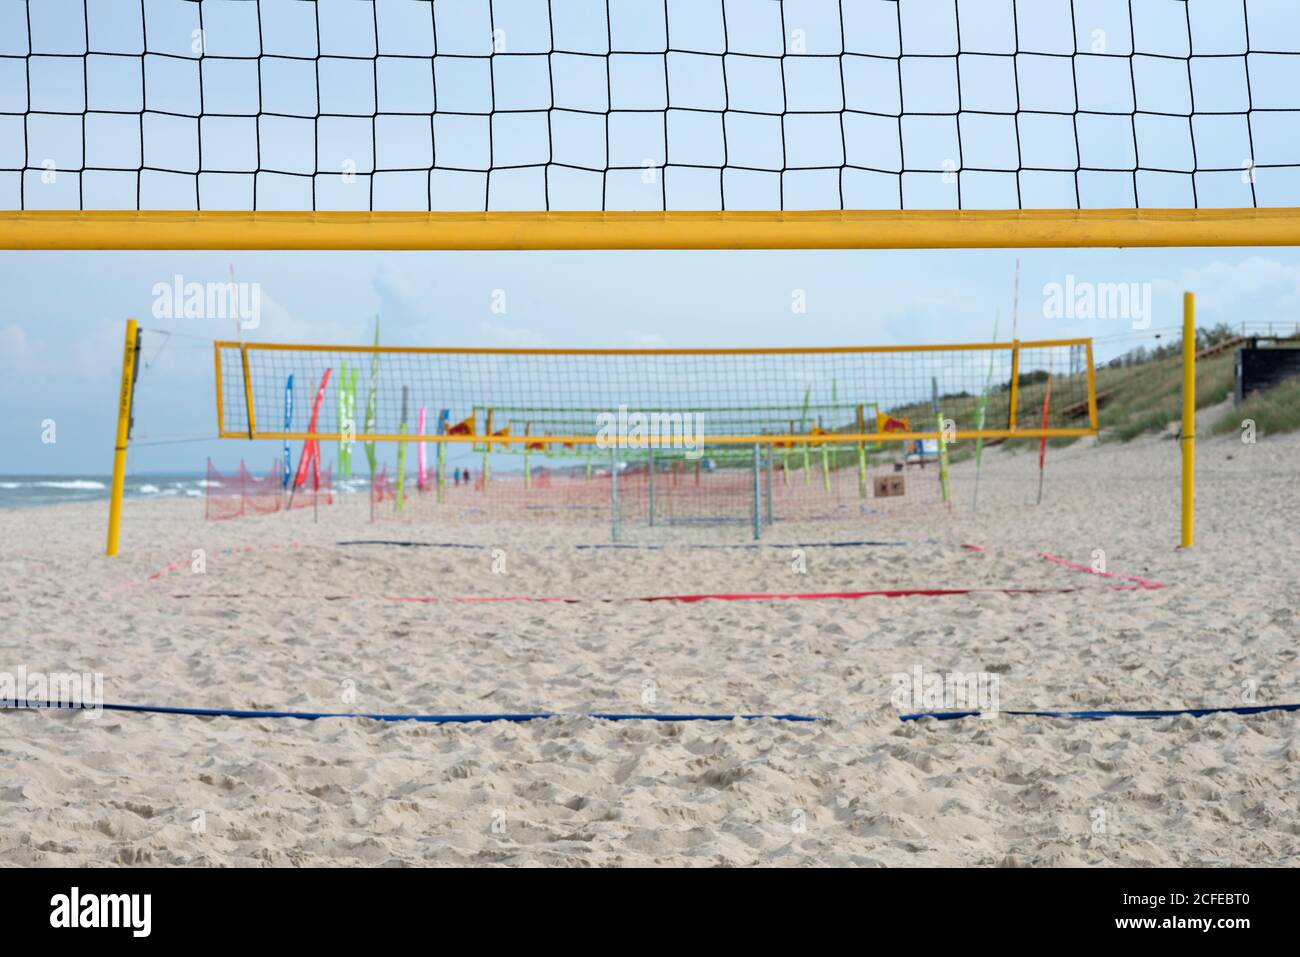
(795, 441)
(807, 229)
(749, 350)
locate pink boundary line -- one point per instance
(1140, 584)
(172, 566)
(684, 599)
(688, 599)
(1146, 584)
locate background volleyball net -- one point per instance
(171, 125)
(651, 438)
(557, 401)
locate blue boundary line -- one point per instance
(425, 718)
(612, 716)
(1099, 715)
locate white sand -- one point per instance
(859, 787)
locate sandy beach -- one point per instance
(284, 617)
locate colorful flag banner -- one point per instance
(288, 425)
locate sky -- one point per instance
(61, 331)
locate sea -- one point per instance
(17, 491)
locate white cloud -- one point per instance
(1255, 289)
(17, 358)
(646, 340)
(513, 337)
(404, 297)
(14, 348)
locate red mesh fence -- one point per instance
(307, 495)
(842, 486)
(241, 493)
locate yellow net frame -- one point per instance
(899, 380)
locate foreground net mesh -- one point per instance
(672, 104)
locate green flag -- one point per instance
(980, 408)
(370, 426)
(347, 417)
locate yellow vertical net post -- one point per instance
(528, 460)
(1014, 398)
(1189, 416)
(129, 353)
(862, 456)
(442, 471)
(487, 450)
